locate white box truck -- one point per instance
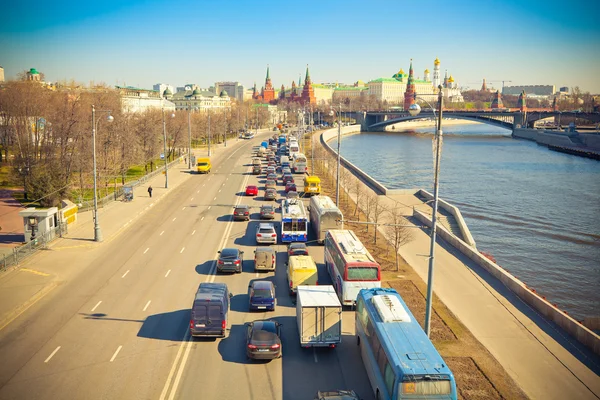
(319, 316)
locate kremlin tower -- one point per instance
(484, 86)
(436, 73)
(426, 77)
(268, 92)
(409, 95)
(308, 93)
(497, 100)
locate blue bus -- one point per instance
(400, 360)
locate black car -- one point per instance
(270, 194)
(297, 249)
(230, 260)
(263, 340)
(241, 213)
(267, 211)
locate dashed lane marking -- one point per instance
(161, 233)
(96, 306)
(182, 249)
(193, 232)
(167, 274)
(147, 304)
(174, 219)
(116, 352)
(53, 353)
(201, 219)
(125, 274)
(145, 251)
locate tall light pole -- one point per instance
(165, 146)
(339, 142)
(415, 109)
(109, 118)
(209, 132)
(190, 134)
(225, 127)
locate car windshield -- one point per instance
(229, 253)
(251, 187)
(267, 326)
(262, 293)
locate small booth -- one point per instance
(38, 221)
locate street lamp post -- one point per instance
(165, 147)
(109, 118)
(225, 128)
(415, 109)
(189, 136)
(339, 142)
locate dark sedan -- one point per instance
(270, 194)
(267, 211)
(261, 296)
(290, 187)
(263, 340)
(241, 213)
(230, 260)
(297, 249)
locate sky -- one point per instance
(144, 42)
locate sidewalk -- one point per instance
(545, 361)
(24, 285)
(11, 224)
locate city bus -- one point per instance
(293, 148)
(350, 265)
(294, 222)
(299, 163)
(400, 360)
(324, 215)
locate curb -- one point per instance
(17, 311)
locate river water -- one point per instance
(536, 211)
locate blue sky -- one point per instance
(143, 42)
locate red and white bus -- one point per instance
(350, 265)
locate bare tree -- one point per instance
(399, 231)
(358, 189)
(378, 210)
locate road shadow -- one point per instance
(10, 238)
(225, 218)
(204, 268)
(239, 303)
(171, 326)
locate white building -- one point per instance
(138, 100)
(235, 90)
(197, 98)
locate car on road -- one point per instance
(272, 176)
(287, 178)
(265, 233)
(270, 194)
(251, 190)
(292, 194)
(261, 296)
(297, 249)
(337, 395)
(267, 211)
(263, 340)
(210, 310)
(264, 258)
(256, 169)
(241, 213)
(290, 187)
(270, 169)
(270, 184)
(230, 260)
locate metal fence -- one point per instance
(118, 193)
(28, 249)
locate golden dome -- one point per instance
(401, 72)
(451, 79)
(426, 70)
(437, 61)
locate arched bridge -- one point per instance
(376, 121)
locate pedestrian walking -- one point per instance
(150, 190)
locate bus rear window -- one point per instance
(427, 387)
(363, 274)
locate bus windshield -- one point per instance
(363, 274)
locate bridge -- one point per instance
(376, 121)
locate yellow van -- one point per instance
(301, 270)
(312, 185)
(203, 165)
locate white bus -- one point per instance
(299, 163)
(324, 215)
(350, 265)
(294, 222)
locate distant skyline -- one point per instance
(144, 42)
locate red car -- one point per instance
(290, 186)
(251, 190)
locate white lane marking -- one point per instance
(53, 353)
(209, 207)
(96, 306)
(116, 352)
(223, 183)
(256, 275)
(147, 304)
(209, 178)
(215, 197)
(161, 233)
(187, 341)
(145, 251)
(219, 192)
(192, 199)
(125, 274)
(201, 218)
(182, 249)
(315, 355)
(193, 232)
(183, 209)
(167, 274)
(174, 219)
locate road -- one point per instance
(118, 329)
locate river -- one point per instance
(536, 211)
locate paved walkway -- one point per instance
(545, 361)
(11, 224)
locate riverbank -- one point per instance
(487, 308)
(427, 123)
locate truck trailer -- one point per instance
(319, 316)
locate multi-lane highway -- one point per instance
(119, 328)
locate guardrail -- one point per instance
(28, 249)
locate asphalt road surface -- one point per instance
(119, 329)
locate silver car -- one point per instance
(265, 233)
